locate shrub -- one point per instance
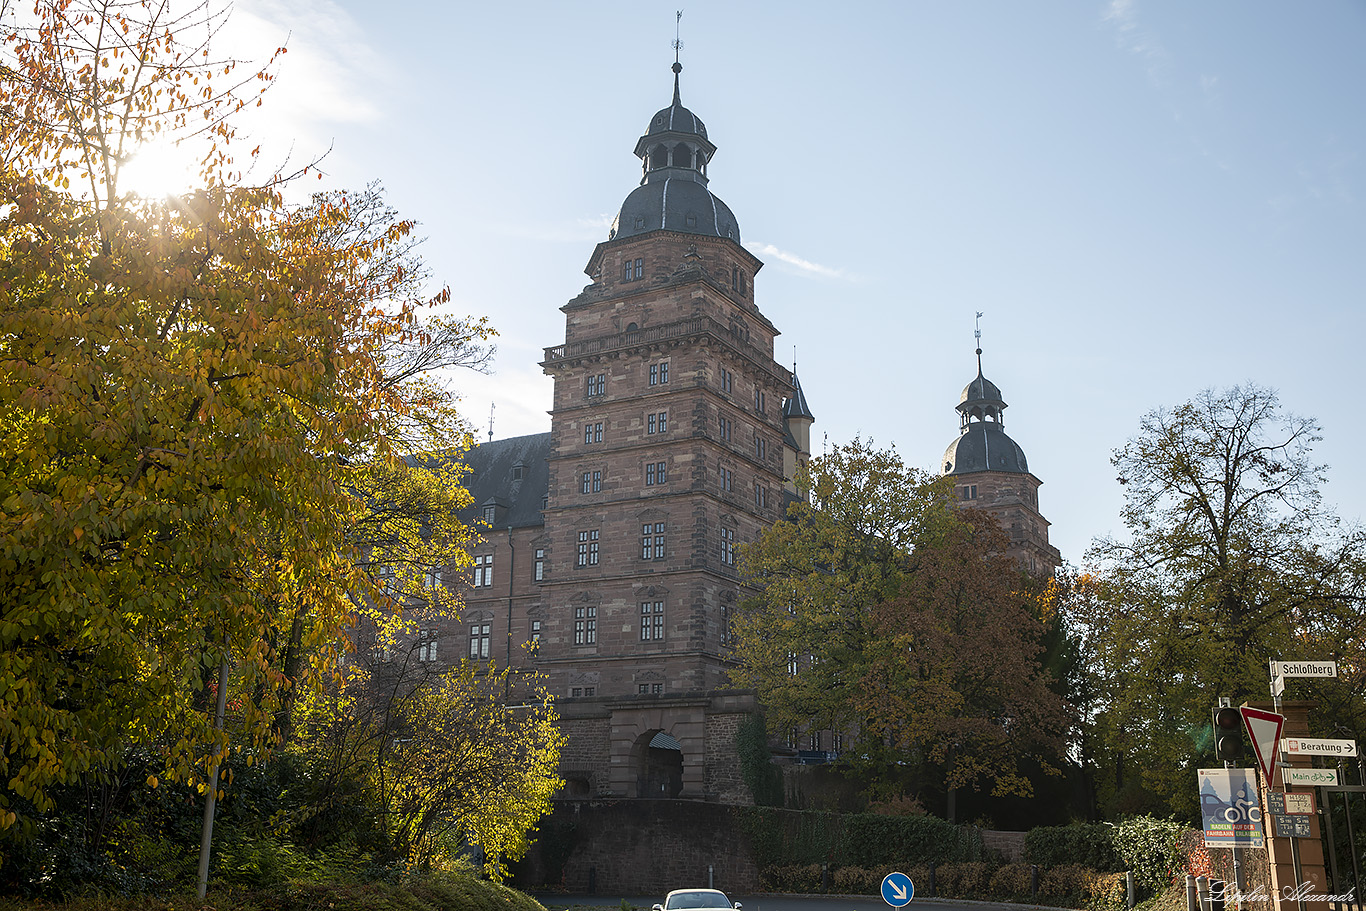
(1084, 845)
(965, 880)
(1106, 892)
(799, 878)
(1067, 881)
(1013, 881)
(1152, 849)
(875, 840)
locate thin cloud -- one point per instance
(792, 259)
(1123, 16)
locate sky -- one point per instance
(1143, 199)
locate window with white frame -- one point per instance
(585, 625)
(659, 373)
(432, 578)
(793, 664)
(592, 433)
(652, 541)
(483, 570)
(650, 689)
(489, 513)
(655, 473)
(651, 620)
(588, 548)
(535, 639)
(728, 546)
(538, 565)
(657, 422)
(479, 640)
(426, 645)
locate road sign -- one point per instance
(897, 889)
(1304, 669)
(1304, 746)
(1312, 777)
(1263, 729)
(1229, 812)
(1299, 803)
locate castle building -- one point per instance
(608, 560)
(990, 472)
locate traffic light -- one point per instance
(1228, 733)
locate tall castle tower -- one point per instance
(990, 472)
(673, 433)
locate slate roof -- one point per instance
(675, 204)
(492, 479)
(796, 406)
(984, 446)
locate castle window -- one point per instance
(588, 548)
(727, 477)
(659, 373)
(735, 278)
(728, 546)
(585, 625)
(488, 513)
(517, 472)
(651, 620)
(759, 400)
(646, 689)
(575, 692)
(597, 384)
(727, 380)
(659, 157)
(483, 570)
(426, 645)
(590, 482)
(724, 428)
(968, 493)
(725, 625)
(657, 423)
(655, 473)
(760, 447)
(652, 541)
(535, 631)
(682, 156)
(760, 495)
(538, 569)
(638, 271)
(793, 665)
(592, 433)
(479, 640)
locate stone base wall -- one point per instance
(640, 847)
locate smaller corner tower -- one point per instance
(990, 473)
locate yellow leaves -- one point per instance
(152, 781)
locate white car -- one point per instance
(694, 899)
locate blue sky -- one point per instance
(1144, 199)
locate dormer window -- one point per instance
(489, 513)
(518, 471)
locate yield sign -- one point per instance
(1264, 730)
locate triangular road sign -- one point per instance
(1264, 730)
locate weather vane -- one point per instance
(977, 331)
(678, 41)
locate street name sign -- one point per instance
(1304, 746)
(1304, 669)
(1263, 729)
(1310, 777)
(897, 889)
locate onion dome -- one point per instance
(982, 444)
(673, 194)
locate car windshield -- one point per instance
(702, 898)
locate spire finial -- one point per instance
(977, 334)
(677, 46)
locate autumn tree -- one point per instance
(205, 408)
(1230, 560)
(885, 614)
(445, 756)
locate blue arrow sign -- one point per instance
(897, 889)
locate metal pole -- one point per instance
(1327, 810)
(211, 794)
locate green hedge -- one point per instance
(1086, 845)
(793, 838)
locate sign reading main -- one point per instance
(1318, 778)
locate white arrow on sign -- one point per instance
(1263, 729)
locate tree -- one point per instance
(204, 401)
(883, 613)
(444, 755)
(1230, 560)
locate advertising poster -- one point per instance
(1230, 809)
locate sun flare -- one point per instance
(159, 170)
